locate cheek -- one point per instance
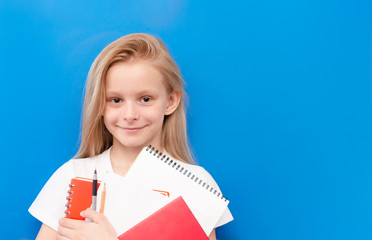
(154, 114)
(106, 121)
(109, 115)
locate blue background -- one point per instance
(279, 111)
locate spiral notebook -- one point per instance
(155, 170)
(79, 197)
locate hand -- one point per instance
(100, 228)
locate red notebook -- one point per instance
(174, 221)
(80, 197)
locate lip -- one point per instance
(132, 129)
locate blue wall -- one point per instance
(280, 104)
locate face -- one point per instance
(136, 103)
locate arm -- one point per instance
(46, 233)
(212, 236)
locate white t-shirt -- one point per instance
(49, 206)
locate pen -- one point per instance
(94, 193)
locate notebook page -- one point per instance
(128, 203)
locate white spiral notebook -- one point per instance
(159, 172)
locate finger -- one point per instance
(69, 223)
(92, 215)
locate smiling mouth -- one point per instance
(134, 129)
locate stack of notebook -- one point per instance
(158, 199)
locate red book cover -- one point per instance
(80, 197)
(174, 221)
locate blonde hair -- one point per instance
(95, 138)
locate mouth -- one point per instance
(132, 129)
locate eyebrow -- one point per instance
(114, 93)
(151, 91)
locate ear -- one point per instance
(173, 102)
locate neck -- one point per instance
(122, 158)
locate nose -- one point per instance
(130, 112)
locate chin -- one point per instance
(134, 144)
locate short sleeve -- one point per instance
(226, 216)
(49, 205)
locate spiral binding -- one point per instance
(69, 199)
(172, 163)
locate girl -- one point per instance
(134, 98)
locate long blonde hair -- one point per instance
(95, 138)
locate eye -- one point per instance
(115, 100)
(145, 99)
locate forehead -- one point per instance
(134, 77)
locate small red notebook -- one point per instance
(174, 221)
(79, 197)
